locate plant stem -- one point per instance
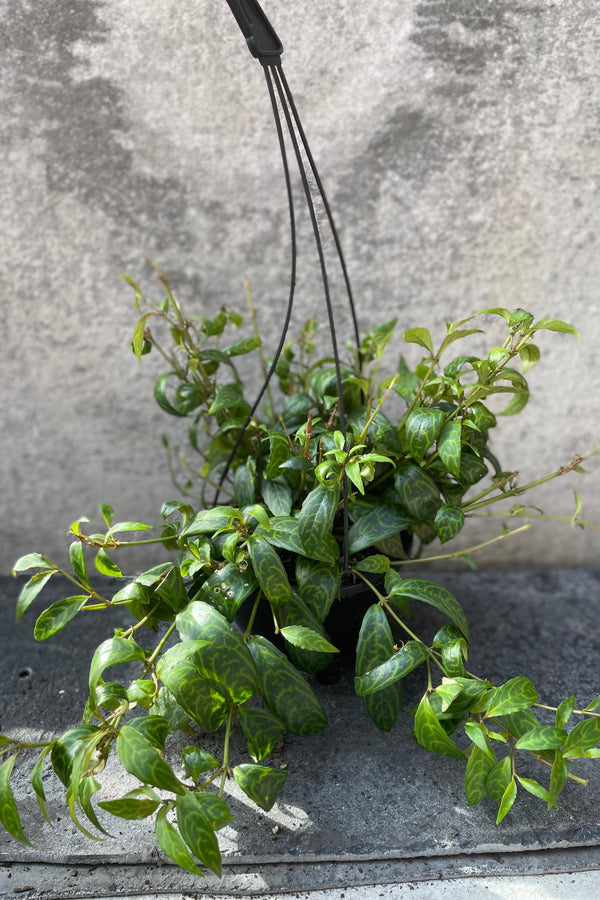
(515, 492)
(248, 630)
(157, 650)
(459, 553)
(569, 520)
(576, 712)
(226, 751)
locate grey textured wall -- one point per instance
(460, 145)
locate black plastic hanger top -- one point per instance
(260, 35)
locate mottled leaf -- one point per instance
(54, 619)
(197, 831)
(172, 844)
(269, 571)
(412, 654)
(285, 691)
(262, 728)
(430, 733)
(260, 783)
(375, 646)
(479, 766)
(516, 694)
(9, 815)
(141, 759)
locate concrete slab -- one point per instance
(360, 808)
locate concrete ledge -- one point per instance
(359, 807)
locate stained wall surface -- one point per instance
(459, 142)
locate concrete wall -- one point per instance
(460, 145)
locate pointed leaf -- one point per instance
(431, 735)
(516, 694)
(269, 571)
(448, 521)
(556, 325)
(141, 759)
(285, 691)
(198, 832)
(544, 737)
(428, 592)
(260, 783)
(498, 780)
(130, 808)
(196, 761)
(449, 447)
(225, 661)
(318, 585)
(479, 766)
(178, 671)
(78, 562)
(54, 619)
(412, 654)
(534, 787)
(30, 591)
(172, 844)
(315, 520)
(375, 646)
(9, 815)
(508, 798)
(418, 492)
(419, 336)
(422, 428)
(584, 736)
(107, 566)
(262, 728)
(382, 522)
(110, 653)
(307, 639)
(32, 561)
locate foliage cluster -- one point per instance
(315, 497)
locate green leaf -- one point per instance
(516, 694)
(107, 513)
(110, 653)
(593, 705)
(225, 661)
(307, 639)
(260, 783)
(228, 396)
(197, 831)
(428, 592)
(380, 523)
(418, 492)
(544, 737)
(277, 495)
(269, 571)
(141, 759)
(37, 782)
(479, 766)
(497, 311)
(32, 561)
(430, 733)
(448, 521)
(262, 728)
(477, 732)
(227, 588)
(419, 336)
(153, 728)
(130, 808)
(239, 348)
(210, 521)
(422, 428)
(139, 333)
(285, 691)
(584, 736)
(279, 453)
(78, 562)
(376, 646)
(69, 747)
(558, 778)
(564, 713)
(318, 585)
(178, 670)
(172, 844)
(412, 654)
(534, 787)
(530, 355)
(377, 563)
(196, 761)
(508, 798)
(243, 485)
(449, 447)
(106, 566)
(556, 325)
(9, 815)
(315, 520)
(499, 779)
(54, 619)
(30, 591)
